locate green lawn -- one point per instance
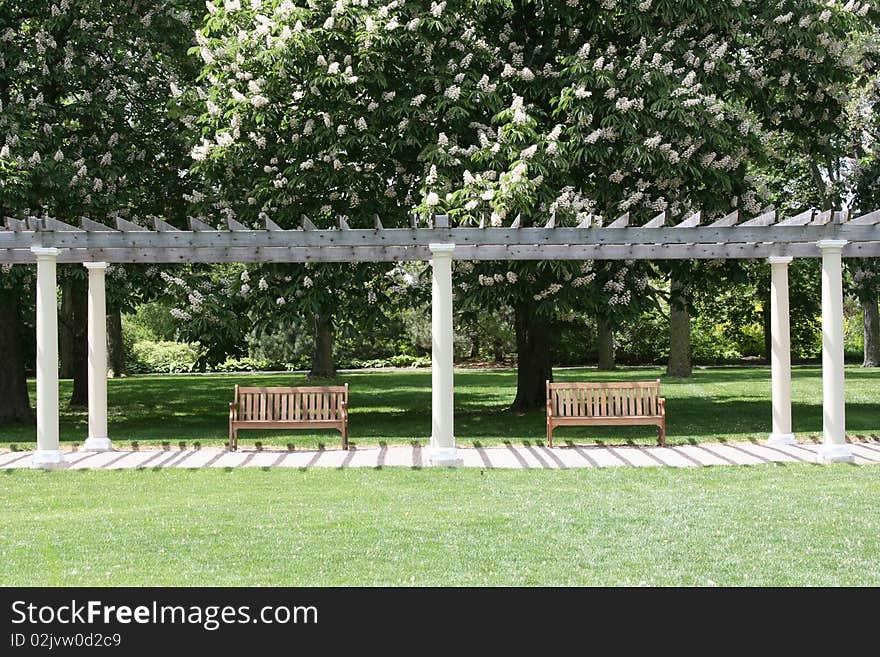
(759, 525)
(393, 406)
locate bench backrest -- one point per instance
(604, 399)
(290, 404)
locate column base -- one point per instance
(97, 445)
(444, 457)
(48, 459)
(781, 439)
(834, 453)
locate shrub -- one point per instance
(162, 356)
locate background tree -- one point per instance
(84, 131)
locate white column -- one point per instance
(48, 455)
(780, 352)
(98, 440)
(834, 447)
(442, 451)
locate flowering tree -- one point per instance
(324, 110)
(641, 109)
(83, 126)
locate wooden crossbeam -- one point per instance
(657, 222)
(690, 222)
(766, 219)
(422, 253)
(128, 227)
(621, 222)
(823, 218)
(801, 219)
(535, 238)
(727, 220)
(198, 225)
(162, 226)
(89, 225)
(15, 224)
(866, 219)
(235, 226)
(48, 223)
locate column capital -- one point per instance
(44, 252)
(95, 265)
(832, 245)
(442, 250)
(780, 260)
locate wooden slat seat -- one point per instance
(630, 403)
(303, 407)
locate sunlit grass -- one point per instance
(771, 525)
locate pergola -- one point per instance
(829, 235)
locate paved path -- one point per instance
(866, 451)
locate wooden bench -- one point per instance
(570, 404)
(289, 408)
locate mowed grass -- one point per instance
(752, 525)
(394, 406)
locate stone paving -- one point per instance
(865, 450)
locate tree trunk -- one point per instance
(498, 350)
(605, 344)
(65, 331)
(679, 364)
(115, 343)
(475, 346)
(322, 361)
(15, 405)
(872, 333)
(768, 330)
(533, 364)
(80, 302)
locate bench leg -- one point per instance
(662, 435)
(549, 435)
(345, 436)
(233, 439)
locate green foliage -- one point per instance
(162, 356)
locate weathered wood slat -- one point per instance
(236, 226)
(866, 219)
(657, 222)
(766, 219)
(197, 224)
(128, 227)
(162, 226)
(691, 221)
(306, 223)
(727, 220)
(15, 224)
(801, 219)
(88, 224)
(621, 222)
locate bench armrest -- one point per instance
(549, 408)
(233, 415)
(343, 410)
(662, 403)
